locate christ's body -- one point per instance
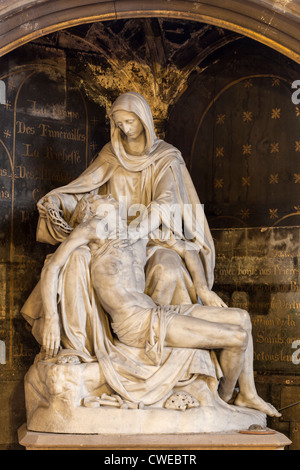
(117, 273)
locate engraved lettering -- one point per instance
(41, 174)
(4, 194)
(72, 157)
(54, 111)
(261, 338)
(74, 134)
(3, 172)
(23, 129)
(2, 312)
(36, 194)
(30, 152)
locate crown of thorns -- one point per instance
(55, 216)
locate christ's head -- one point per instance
(89, 206)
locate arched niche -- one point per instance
(273, 23)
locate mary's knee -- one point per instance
(169, 262)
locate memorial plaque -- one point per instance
(49, 133)
(5, 198)
(259, 271)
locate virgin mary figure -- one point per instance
(138, 169)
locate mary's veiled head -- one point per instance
(132, 128)
(135, 103)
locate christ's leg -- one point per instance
(190, 332)
(241, 318)
(248, 395)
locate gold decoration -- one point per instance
(296, 178)
(274, 147)
(247, 149)
(247, 116)
(248, 83)
(7, 134)
(220, 152)
(219, 183)
(274, 179)
(246, 181)
(221, 118)
(276, 113)
(161, 87)
(273, 213)
(245, 213)
(275, 82)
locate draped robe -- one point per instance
(157, 180)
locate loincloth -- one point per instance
(147, 327)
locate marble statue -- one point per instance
(125, 311)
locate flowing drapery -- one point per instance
(159, 181)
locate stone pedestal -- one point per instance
(56, 397)
(233, 440)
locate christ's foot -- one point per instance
(257, 403)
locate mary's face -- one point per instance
(129, 124)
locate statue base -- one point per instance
(110, 421)
(55, 395)
(234, 440)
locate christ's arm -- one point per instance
(81, 235)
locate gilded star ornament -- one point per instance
(247, 116)
(296, 177)
(275, 82)
(219, 183)
(246, 181)
(274, 147)
(220, 152)
(274, 179)
(245, 213)
(221, 118)
(276, 113)
(247, 149)
(297, 146)
(248, 83)
(273, 213)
